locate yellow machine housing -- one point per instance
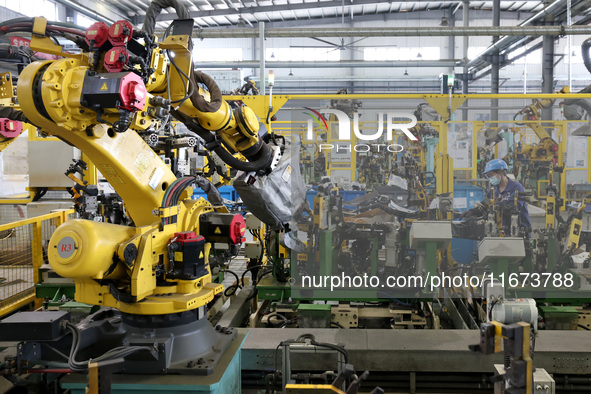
(114, 265)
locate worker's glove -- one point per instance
(506, 206)
(479, 210)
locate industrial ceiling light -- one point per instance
(406, 71)
(240, 22)
(290, 73)
(419, 56)
(444, 22)
(272, 55)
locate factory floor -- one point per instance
(238, 266)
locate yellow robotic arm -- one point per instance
(203, 112)
(99, 101)
(547, 148)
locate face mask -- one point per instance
(495, 180)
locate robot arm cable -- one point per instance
(118, 352)
(212, 144)
(190, 83)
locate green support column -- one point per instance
(500, 267)
(374, 256)
(431, 258)
(325, 249)
(552, 254)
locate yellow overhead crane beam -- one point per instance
(398, 96)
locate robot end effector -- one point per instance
(239, 132)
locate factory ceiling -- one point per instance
(250, 12)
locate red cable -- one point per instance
(54, 370)
(172, 191)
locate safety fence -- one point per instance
(23, 250)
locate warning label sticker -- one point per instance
(111, 174)
(155, 179)
(286, 176)
(142, 163)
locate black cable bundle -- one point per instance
(118, 352)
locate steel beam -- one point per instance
(337, 64)
(262, 58)
(506, 41)
(534, 31)
(494, 73)
(548, 66)
(466, 76)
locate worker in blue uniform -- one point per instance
(503, 191)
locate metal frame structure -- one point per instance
(445, 105)
(25, 296)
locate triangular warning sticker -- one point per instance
(217, 230)
(201, 255)
(104, 87)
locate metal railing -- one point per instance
(23, 250)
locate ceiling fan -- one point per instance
(339, 46)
